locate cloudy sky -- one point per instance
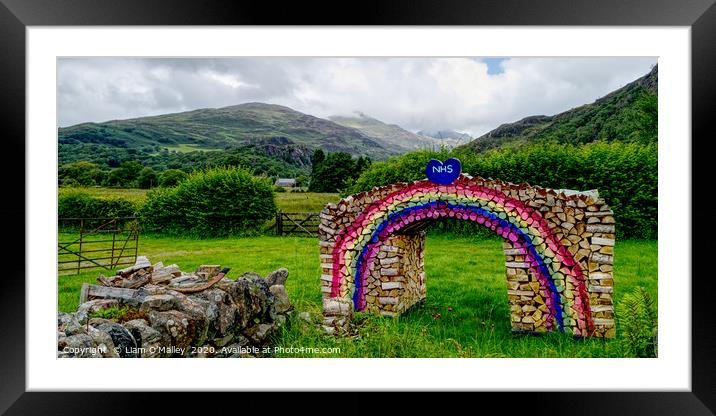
(472, 95)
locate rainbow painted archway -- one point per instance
(558, 249)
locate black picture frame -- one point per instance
(16, 15)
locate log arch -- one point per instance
(558, 249)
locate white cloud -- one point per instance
(415, 93)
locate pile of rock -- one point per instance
(168, 313)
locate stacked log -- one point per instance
(143, 273)
(559, 247)
(337, 313)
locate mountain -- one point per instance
(627, 114)
(220, 128)
(390, 136)
(446, 134)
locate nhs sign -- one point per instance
(443, 173)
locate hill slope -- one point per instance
(446, 134)
(627, 114)
(390, 136)
(221, 128)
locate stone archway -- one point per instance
(558, 249)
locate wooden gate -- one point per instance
(102, 242)
(297, 223)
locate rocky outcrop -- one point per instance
(232, 318)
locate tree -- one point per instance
(125, 175)
(80, 173)
(172, 177)
(640, 123)
(333, 173)
(147, 178)
(301, 181)
(317, 160)
(362, 164)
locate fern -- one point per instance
(638, 324)
(649, 308)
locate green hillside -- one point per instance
(221, 128)
(628, 114)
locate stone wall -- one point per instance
(558, 249)
(233, 318)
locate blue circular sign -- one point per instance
(443, 173)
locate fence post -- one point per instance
(279, 223)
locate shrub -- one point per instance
(172, 177)
(78, 204)
(215, 202)
(637, 324)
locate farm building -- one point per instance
(286, 183)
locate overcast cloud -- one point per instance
(471, 95)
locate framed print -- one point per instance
(465, 197)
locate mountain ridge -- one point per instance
(217, 128)
(445, 134)
(606, 118)
(390, 135)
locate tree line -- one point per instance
(330, 172)
(129, 174)
(335, 172)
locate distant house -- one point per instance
(285, 182)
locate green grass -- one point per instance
(304, 201)
(188, 147)
(464, 274)
(287, 201)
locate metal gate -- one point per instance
(102, 242)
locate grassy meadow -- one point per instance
(466, 313)
(188, 147)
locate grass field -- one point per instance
(465, 315)
(286, 201)
(188, 147)
(304, 201)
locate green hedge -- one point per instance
(211, 203)
(624, 173)
(78, 204)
